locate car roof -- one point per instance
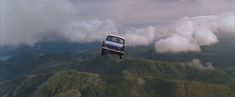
(117, 36)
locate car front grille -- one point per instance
(113, 47)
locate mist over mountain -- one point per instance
(174, 48)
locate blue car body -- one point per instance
(113, 45)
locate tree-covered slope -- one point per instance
(72, 83)
(109, 76)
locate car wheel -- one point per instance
(103, 52)
(121, 56)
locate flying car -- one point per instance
(113, 45)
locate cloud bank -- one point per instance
(190, 33)
(27, 22)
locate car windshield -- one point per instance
(115, 39)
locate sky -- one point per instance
(171, 25)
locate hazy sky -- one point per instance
(32, 21)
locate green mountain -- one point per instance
(72, 83)
(85, 75)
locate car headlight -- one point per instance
(104, 45)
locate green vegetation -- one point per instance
(63, 75)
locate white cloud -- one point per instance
(27, 21)
(197, 64)
(97, 30)
(226, 22)
(205, 37)
(89, 31)
(143, 36)
(175, 44)
(190, 33)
